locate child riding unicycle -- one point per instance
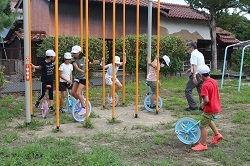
(47, 78)
(109, 77)
(152, 80)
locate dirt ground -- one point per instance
(101, 124)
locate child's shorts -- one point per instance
(152, 85)
(206, 119)
(109, 81)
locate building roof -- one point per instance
(143, 3)
(182, 11)
(225, 37)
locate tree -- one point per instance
(245, 6)
(238, 25)
(212, 7)
(6, 15)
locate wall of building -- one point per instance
(185, 28)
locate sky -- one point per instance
(182, 2)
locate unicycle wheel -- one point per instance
(45, 108)
(147, 103)
(188, 131)
(111, 102)
(70, 104)
(76, 111)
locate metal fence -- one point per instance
(14, 69)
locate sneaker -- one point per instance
(62, 110)
(216, 139)
(199, 147)
(51, 109)
(82, 112)
(152, 106)
(191, 108)
(110, 100)
(37, 104)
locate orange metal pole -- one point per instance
(158, 54)
(137, 57)
(57, 64)
(87, 57)
(123, 50)
(113, 55)
(81, 23)
(103, 52)
(30, 59)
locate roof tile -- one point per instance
(182, 11)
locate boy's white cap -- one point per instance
(67, 55)
(117, 60)
(203, 69)
(166, 59)
(76, 49)
(50, 53)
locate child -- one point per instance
(109, 75)
(151, 77)
(79, 65)
(47, 78)
(65, 74)
(211, 107)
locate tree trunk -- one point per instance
(213, 39)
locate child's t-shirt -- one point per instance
(81, 63)
(109, 73)
(66, 69)
(47, 71)
(210, 88)
(152, 74)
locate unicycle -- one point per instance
(116, 99)
(188, 131)
(77, 108)
(69, 102)
(45, 105)
(147, 102)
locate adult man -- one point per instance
(194, 81)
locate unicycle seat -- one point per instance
(48, 86)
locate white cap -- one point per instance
(166, 59)
(203, 69)
(50, 53)
(67, 55)
(117, 60)
(76, 49)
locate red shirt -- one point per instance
(210, 88)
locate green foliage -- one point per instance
(236, 60)
(6, 16)
(172, 46)
(216, 5)
(238, 25)
(66, 43)
(2, 81)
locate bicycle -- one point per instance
(116, 99)
(77, 108)
(147, 102)
(45, 104)
(188, 131)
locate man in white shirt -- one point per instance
(194, 81)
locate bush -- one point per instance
(236, 60)
(174, 47)
(2, 81)
(66, 43)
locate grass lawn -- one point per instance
(136, 145)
